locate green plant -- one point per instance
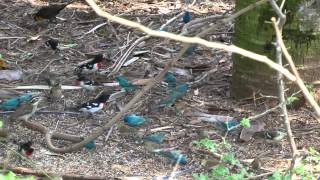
(1, 123)
(291, 99)
(11, 176)
(245, 122)
(207, 144)
(230, 158)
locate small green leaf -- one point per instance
(291, 99)
(71, 45)
(220, 171)
(299, 169)
(229, 158)
(245, 122)
(275, 176)
(201, 176)
(1, 123)
(207, 144)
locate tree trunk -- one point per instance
(254, 33)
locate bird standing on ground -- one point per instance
(85, 83)
(26, 110)
(272, 136)
(50, 12)
(55, 85)
(25, 149)
(125, 84)
(94, 105)
(186, 17)
(53, 44)
(91, 66)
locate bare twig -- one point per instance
(298, 81)
(281, 92)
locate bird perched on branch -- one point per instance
(94, 105)
(26, 109)
(25, 149)
(50, 12)
(91, 66)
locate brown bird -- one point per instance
(26, 110)
(50, 12)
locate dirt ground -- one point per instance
(123, 154)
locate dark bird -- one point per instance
(133, 120)
(94, 105)
(26, 109)
(91, 66)
(49, 12)
(52, 43)
(186, 17)
(85, 83)
(25, 149)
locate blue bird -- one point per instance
(91, 145)
(156, 138)
(133, 120)
(176, 94)
(170, 79)
(125, 84)
(14, 103)
(186, 17)
(174, 157)
(165, 29)
(190, 50)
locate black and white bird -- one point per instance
(94, 105)
(86, 83)
(53, 44)
(91, 66)
(273, 136)
(26, 149)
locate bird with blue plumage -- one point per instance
(14, 103)
(91, 145)
(134, 120)
(186, 18)
(155, 138)
(170, 79)
(175, 94)
(126, 84)
(174, 157)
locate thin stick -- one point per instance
(298, 81)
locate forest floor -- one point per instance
(123, 154)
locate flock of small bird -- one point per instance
(26, 105)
